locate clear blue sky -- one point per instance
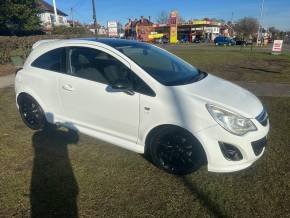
(276, 12)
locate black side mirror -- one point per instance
(123, 85)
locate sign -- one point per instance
(173, 27)
(205, 22)
(277, 46)
(113, 28)
(173, 34)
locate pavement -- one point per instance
(6, 81)
(259, 89)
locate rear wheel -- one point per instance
(176, 151)
(31, 112)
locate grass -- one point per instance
(238, 65)
(63, 174)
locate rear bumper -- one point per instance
(217, 162)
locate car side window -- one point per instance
(53, 60)
(98, 66)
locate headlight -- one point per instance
(230, 121)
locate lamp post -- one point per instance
(94, 16)
(55, 13)
(260, 21)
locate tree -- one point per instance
(19, 17)
(180, 19)
(274, 32)
(247, 27)
(162, 17)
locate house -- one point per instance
(47, 16)
(139, 29)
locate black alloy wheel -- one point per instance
(31, 113)
(177, 151)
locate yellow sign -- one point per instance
(173, 34)
(155, 36)
(204, 22)
(173, 27)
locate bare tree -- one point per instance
(162, 17)
(247, 27)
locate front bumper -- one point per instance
(217, 162)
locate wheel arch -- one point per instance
(156, 129)
(30, 94)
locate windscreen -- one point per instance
(161, 65)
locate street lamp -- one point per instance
(260, 21)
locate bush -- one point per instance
(62, 30)
(21, 46)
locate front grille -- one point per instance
(259, 145)
(263, 117)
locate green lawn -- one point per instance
(61, 174)
(232, 63)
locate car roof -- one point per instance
(113, 42)
(110, 42)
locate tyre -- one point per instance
(176, 151)
(31, 113)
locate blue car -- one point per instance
(223, 40)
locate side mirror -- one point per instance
(123, 85)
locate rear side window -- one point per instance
(53, 60)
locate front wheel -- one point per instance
(176, 151)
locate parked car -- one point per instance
(198, 40)
(223, 40)
(142, 98)
(162, 40)
(243, 42)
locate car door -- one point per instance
(87, 98)
(43, 74)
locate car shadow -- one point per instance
(54, 189)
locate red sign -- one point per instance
(277, 46)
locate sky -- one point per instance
(276, 12)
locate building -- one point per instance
(47, 16)
(187, 32)
(139, 29)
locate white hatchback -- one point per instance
(142, 98)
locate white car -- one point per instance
(145, 99)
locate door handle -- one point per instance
(68, 87)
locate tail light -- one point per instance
(17, 70)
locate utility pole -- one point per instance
(260, 22)
(94, 17)
(72, 17)
(55, 13)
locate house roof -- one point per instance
(45, 7)
(141, 22)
